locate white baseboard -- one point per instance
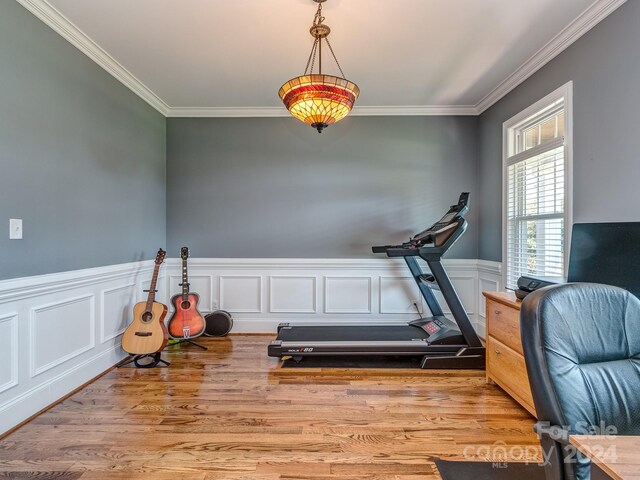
(65, 328)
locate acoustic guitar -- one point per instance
(147, 333)
(186, 321)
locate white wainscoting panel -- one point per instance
(241, 293)
(399, 295)
(347, 295)
(489, 280)
(60, 331)
(465, 286)
(65, 328)
(292, 294)
(115, 311)
(9, 351)
(261, 293)
(162, 295)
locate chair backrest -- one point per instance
(581, 344)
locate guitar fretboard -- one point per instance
(185, 280)
(152, 289)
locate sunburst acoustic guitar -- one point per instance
(186, 321)
(147, 332)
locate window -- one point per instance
(537, 188)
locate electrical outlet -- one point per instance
(15, 229)
(214, 305)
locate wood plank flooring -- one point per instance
(232, 413)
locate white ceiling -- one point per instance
(230, 54)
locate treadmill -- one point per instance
(441, 342)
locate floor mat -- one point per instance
(451, 470)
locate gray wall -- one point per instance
(273, 187)
(82, 158)
(605, 68)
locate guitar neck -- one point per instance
(152, 289)
(185, 281)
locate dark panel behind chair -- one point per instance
(606, 253)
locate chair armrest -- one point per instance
(555, 432)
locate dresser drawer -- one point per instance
(503, 323)
(507, 368)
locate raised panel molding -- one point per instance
(161, 287)
(347, 294)
(398, 295)
(48, 340)
(465, 287)
(367, 290)
(489, 280)
(292, 294)
(240, 293)
(118, 318)
(9, 353)
(486, 285)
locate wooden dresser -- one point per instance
(505, 360)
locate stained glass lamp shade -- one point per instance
(319, 99)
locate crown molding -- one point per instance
(584, 22)
(595, 13)
(415, 110)
(387, 111)
(231, 112)
(65, 28)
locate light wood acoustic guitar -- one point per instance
(186, 321)
(147, 333)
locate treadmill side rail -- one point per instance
(472, 358)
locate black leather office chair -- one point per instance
(581, 345)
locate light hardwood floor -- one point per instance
(231, 413)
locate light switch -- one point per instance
(15, 229)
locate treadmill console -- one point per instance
(432, 327)
(445, 223)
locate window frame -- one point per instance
(508, 139)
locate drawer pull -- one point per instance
(497, 312)
(498, 351)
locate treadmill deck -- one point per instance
(351, 333)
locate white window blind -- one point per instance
(536, 193)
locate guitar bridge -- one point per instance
(143, 334)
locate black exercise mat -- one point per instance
(354, 361)
(452, 470)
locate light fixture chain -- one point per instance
(314, 49)
(312, 57)
(334, 57)
(318, 19)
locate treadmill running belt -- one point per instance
(353, 361)
(352, 333)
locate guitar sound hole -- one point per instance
(147, 316)
(185, 305)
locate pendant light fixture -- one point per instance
(318, 99)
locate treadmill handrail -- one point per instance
(407, 250)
